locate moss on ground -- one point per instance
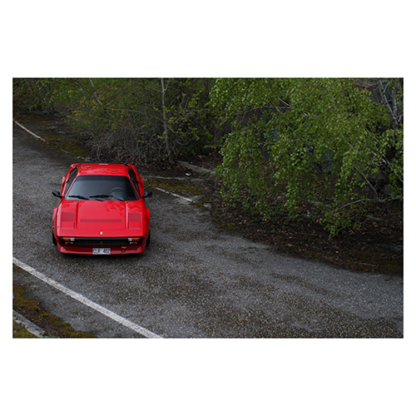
(34, 311)
(183, 187)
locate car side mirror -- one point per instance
(57, 194)
(148, 194)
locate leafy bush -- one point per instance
(317, 141)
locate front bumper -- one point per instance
(117, 246)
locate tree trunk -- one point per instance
(165, 124)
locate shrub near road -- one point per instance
(311, 147)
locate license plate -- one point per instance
(101, 251)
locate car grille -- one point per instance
(99, 242)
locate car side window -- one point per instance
(134, 180)
(71, 178)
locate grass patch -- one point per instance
(53, 139)
(70, 147)
(34, 311)
(183, 187)
(20, 331)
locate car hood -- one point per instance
(100, 215)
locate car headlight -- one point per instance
(135, 240)
(67, 240)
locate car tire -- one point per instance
(148, 240)
(53, 239)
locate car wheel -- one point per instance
(53, 239)
(148, 240)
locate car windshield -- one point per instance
(102, 187)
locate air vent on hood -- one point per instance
(135, 220)
(68, 219)
(101, 220)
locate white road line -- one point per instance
(178, 196)
(86, 301)
(31, 132)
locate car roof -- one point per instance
(103, 169)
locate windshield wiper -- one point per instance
(105, 196)
(77, 196)
(99, 196)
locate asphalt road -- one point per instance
(195, 281)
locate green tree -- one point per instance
(316, 142)
(136, 118)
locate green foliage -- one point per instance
(132, 118)
(288, 145)
(317, 141)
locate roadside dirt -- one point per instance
(373, 248)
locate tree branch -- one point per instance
(371, 186)
(351, 203)
(386, 103)
(95, 92)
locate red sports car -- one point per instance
(102, 210)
